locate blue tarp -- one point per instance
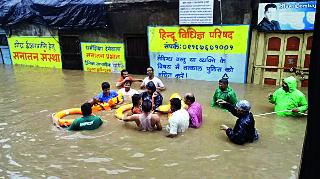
(61, 14)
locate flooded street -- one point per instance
(32, 147)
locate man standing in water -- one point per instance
(88, 121)
(244, 130)
(288, 100)
(224, 92)
(150, 72)
(125, 77)
(179, 121)
(194, 110)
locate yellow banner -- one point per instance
(103, 57)
(35, 51)
(216, 39)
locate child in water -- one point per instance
(136, 101)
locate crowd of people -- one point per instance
(288, 100)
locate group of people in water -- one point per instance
(185, 112)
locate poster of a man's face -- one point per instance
(269, 21)
(279, 15)
(270, 12)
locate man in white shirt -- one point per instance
(127, 90)
(179, 121)
(150, 72)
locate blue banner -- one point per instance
(286, 16)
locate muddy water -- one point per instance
(32, 147)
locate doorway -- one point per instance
(275, 56)
(137, 56)
(70, 51)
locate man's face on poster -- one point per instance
(271, 14)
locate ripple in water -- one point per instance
(55, 166)
(133, 168)
(170, 164)
(6, 146)
(77, 135)
(4, 140)
(12, 162)
(158, 150)
(124, 137)
(137, 155)
(96, 160)
(42, 156)
(126, 148)
(206, 157)
(113, 172)
(53, 177)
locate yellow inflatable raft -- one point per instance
(119, 112)
(58, 117)
(166, 108)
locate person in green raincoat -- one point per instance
(224, 92)
(288, 100)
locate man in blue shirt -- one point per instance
(105, 95)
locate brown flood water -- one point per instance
(31, 147)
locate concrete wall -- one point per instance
(133, 18)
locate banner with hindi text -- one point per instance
(35, 51)
(103, 57)
(199, 52)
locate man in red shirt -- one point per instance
(125, 77)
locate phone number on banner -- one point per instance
(198, 47)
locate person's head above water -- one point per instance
(151, 88)
(86, 109)
(175, 104)
(289, 84)
(146, 106)
(124, 73)
(223, 84)
(127, 85)
(150, 72)
(243, 107)
(136, 98)
(189, 98)
(105, 88)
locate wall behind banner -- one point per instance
(201, 53)
(103, 57)
(35, 51)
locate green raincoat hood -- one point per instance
(286, 101)
(292, 83)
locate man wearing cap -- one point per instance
(244, 130)
(224, 92)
